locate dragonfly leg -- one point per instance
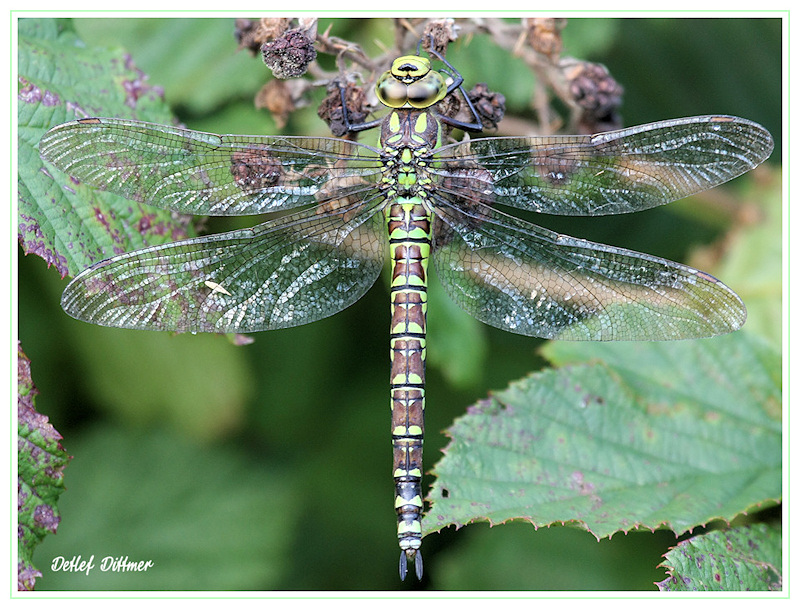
(354, 128)
(458, 80)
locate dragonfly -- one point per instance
(342, 206)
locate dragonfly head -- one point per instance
(411, 83)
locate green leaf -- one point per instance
(735, 560)
(70, 225)
(39, 476)
(654, 435)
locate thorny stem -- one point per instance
(345, 49)
(549, 74)
(549, 71)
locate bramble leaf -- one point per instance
(39, 476)
(741, 559)
(67, 224)
(652, 435)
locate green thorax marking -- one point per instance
(405, 136)
(409, 129)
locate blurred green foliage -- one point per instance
(307, 408)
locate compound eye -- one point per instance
(410, 67)
(427, 91)
(390, 91)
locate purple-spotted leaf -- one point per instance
(652, 435)
(39, 475)
(736, 560)
(66, 223)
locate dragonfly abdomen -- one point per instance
(409, 225)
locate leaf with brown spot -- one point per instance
(39, 476)
(735, 560)
(60, 219)
(626, 442)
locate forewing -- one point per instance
(283, 273)
(201, 173)
(522, 278)
(607, 173)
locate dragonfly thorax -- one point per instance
(412, 129)
(406, 135)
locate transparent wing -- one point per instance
(607, 173)
(202, 173)
(522, 278)
(282, 273)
